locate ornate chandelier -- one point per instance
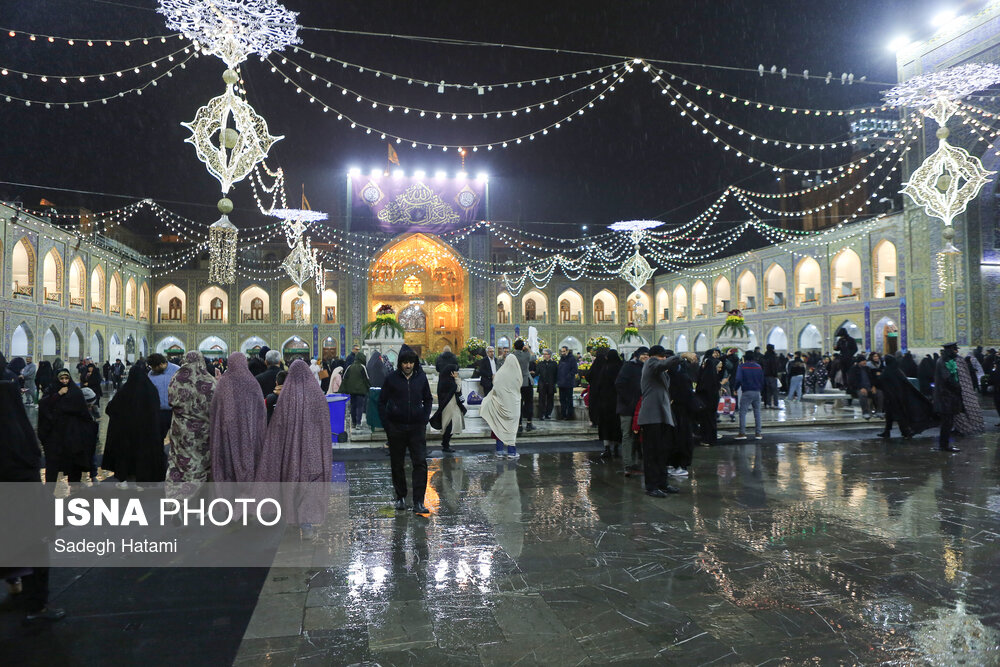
(233, 29)
(949, 178)
(295, 221)
(303, 263)
(636, 271)
(228, 135)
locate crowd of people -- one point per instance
(187, 421)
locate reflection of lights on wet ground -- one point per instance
(441, 573)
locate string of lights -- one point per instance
(765, 106)
(501, 143)
(102, 76)
(138, 90)
(89, 41)
(690, 107)
(740, 153)
(479, 88)
(443, 113)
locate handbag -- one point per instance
(727, 405)
(324, 374)
(474, 398)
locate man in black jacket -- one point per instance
(628, 390)
(546, 371)
(267, 379)
(486, 369)
(770, 365)
(404, 405)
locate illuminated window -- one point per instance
(412, 285)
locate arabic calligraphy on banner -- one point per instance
(398, 205)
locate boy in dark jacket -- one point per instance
(404, 406)
(546, 371)
(566, 380)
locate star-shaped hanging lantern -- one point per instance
(229, 153)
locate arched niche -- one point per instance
(170, 304)
(662, 306)
(700, 343)
(77, 283)
(810, 339)
(778, 338)
(723, 295)
(115, 294)
(572, 343)
(213, 347)
(255, 304)
(534, 307)
(51, 343)
(884, 270)
(680, 303)
(213, 305)
(293, 304)
(746, 285)
(97, 288)
(252, 345)
(570, 307)
(144, 303)
(171, 346)
(845, 275)
(605, 308)
(97, 347)
(52, 277)
(74, 347)
(775, 287)
(681, 343)
(637, 307)
(699, 298)
(22, 341)
(808, 282)
(329, 306)
(22, 264)
(505, 304)
(131, 299)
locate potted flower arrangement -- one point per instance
(582, 370)
(597, 342)
(631, 333)
(385, 325)
(734, 325)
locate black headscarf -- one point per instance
(45, 375)
(376, 369)
(20, 456)
(5, 373)
(447, 386)
(708, 378)
(64, 426)
(908, 404)
(133, 446)
(16, 365)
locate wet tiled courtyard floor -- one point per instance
(781, 552)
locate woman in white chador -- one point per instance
(501, 408)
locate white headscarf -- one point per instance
(336, 377)
(501, 408)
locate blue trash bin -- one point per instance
(337, 403)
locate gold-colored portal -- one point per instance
(422, 278)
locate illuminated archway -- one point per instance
(808, 288)
(884, 270)
(723, 295)
(662, 306)
(775, 287)
(23, 269)
(699, 298)
(419, 273)
(52, 277)
(77, 283)
(845, 279)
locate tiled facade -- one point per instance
(68, 321)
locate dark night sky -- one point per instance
(630, 157)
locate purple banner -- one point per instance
(343, 340)
(868, 326)
(397, 204)
(316, 342)
(493, 335)
(902, 325)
